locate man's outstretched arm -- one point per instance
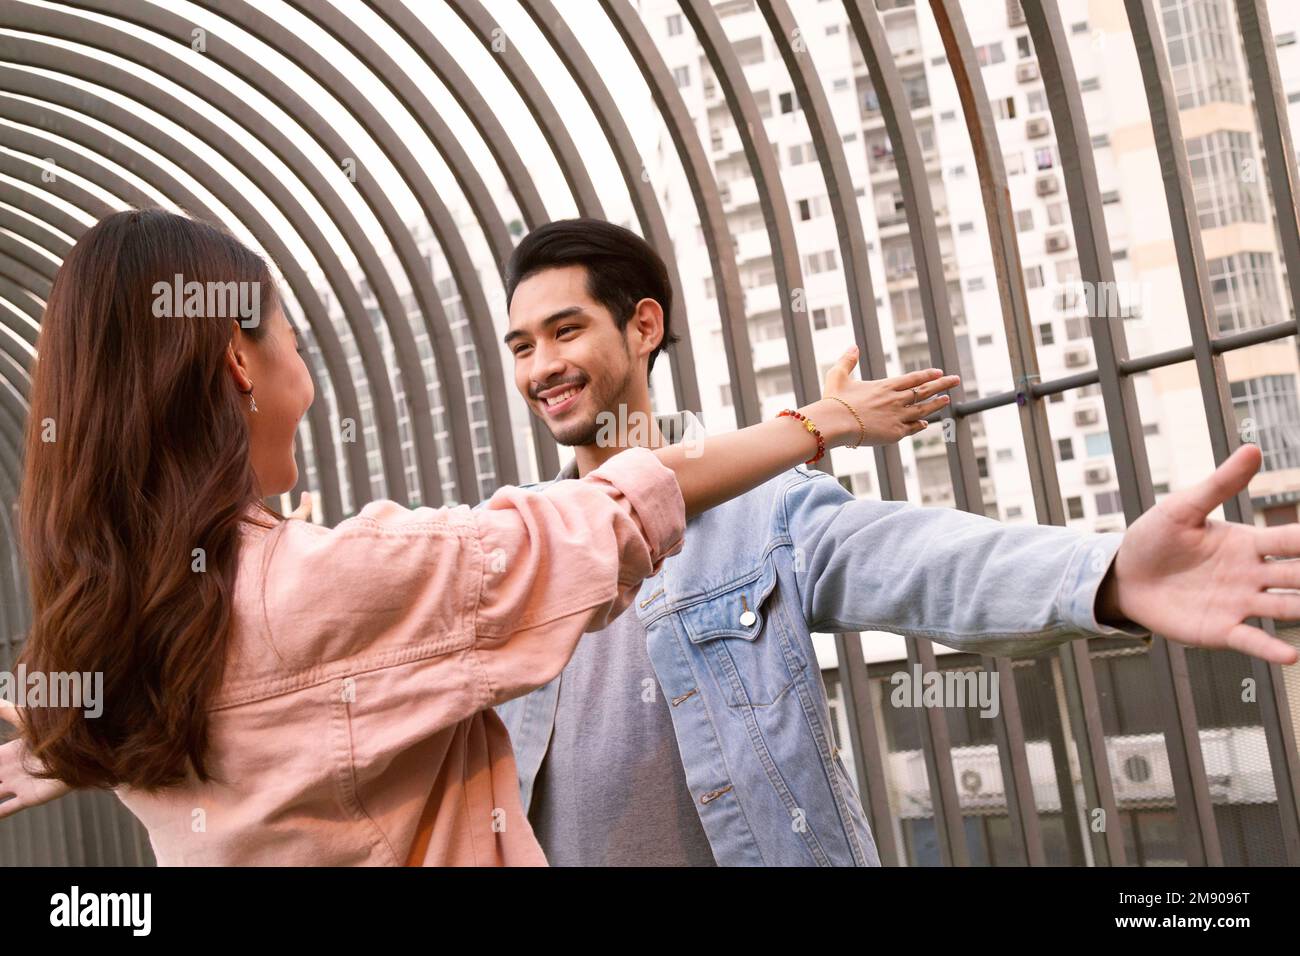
(976, 584)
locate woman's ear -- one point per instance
(235, 361)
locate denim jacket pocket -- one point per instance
(743, 634)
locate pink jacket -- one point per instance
(353, 725)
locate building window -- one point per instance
(1074, 507)
(1065, 449)
(917, 90)
(1045, 334)
(830, 316)
(675, 25)
(1024, 220)
(1108, 503)
(1034, 277)
(1243, 287)
(789, 103)
(682, 76)
(1267, 410)
(1024, 49)
(774, 382)
(766, 328)
(1225, 178)
(801, 153)
(1201, 43)
(818, 262)
(749, 52)
(1097, 444)
(989, 53)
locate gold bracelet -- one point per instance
(862, 429)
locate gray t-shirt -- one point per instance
(611, 790)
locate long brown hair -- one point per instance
(149, 460)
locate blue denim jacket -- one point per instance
(728, 628)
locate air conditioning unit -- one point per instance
(1077, 357)
(1047, 185)
(1057, 242)
(1086, 416)
(1015, 13)
(1036, 127)
(1097, 474)
(1027, 72)
(1139, 769)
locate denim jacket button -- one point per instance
(748, 618)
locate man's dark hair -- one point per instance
(622, 268)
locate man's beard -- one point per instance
(577, 433)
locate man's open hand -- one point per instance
(1196, 581)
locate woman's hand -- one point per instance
(889, 408)
(19, 790)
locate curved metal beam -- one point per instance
(75, 29)
(117, 151)
(497, 42)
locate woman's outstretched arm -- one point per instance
(888, 410)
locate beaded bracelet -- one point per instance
(812, 430)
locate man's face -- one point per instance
(571, 360)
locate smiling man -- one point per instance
(694, 729)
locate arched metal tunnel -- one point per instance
(104, 103)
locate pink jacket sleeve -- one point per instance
(503, 591)
(569, 560)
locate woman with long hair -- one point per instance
(279, 692)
